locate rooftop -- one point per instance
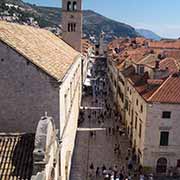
(168, 92)
(41, 47)
(16, 156)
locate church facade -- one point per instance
(38, 76)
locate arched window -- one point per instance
(69, 27)
(74, 6)
(161, 165)
(178, 163)
(74, 27)
(69, 6)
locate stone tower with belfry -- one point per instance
(72, 23)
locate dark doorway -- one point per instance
(161, 165)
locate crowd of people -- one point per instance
(102, 97)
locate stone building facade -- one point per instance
(146, 91)
(39, 73)
(46, 164)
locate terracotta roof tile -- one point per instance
(168, 92)
(165, 44)
(171, 64)
(39, 46)
(16, 156)
(172, 53)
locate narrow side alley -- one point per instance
(101, 139)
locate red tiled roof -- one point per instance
(149, 60)
(165, 44)
(172, 53)
(85, 46)
(168, 92)
(155, 81)
(164, 90)
(171, 64)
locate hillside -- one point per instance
(148, 34)
(93, 23)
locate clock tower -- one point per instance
(72, 23)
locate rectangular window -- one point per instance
(129, 110)
(178, 163)
(166, 115)
(126, 105)
(164, 138)
(141, 69)
(65, 105)
(122, 98)
(141, 108)
(140, 130)
(136, 118)
(115, 84)
(137, 102)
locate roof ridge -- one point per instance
(148, 55)
(161, 86)
(39, 46)
(176, 63)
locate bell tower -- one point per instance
(72, 23)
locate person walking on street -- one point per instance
(91, 166)
(113, 131)
(97, 172)
(103, 169)
(110, 131)
(94, 133)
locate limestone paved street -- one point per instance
(98, 149)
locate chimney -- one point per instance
(157, 63)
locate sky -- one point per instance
(160, 16)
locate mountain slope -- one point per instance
(93, 23)
(148, 34)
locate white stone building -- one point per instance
(39, 73)
(146, 90)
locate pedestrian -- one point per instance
(97, 172)
(102, 124)
(117, 128)
(130, 165)
(91, 134)
(103, 168)
(115, 170)
(109, 130)
(121, 176)
(129, 151)
(94, 133)
(92, 166)
(129, 177)
(118, 151)
(113, 131)
(115, 148)
(89, 116)
(141, 177)
(106, 177)
(106, 131)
